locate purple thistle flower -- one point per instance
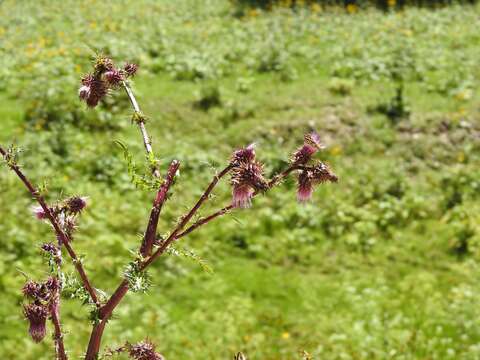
(245, 155)
(114, 77)
(307, 179)
(37, 316)
(31, 289)
(305, 186)
(130, 69)
(76, 204)
(310, 146)
(246, 179)
(39, 213)
(144, 350)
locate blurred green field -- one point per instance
(382, 265)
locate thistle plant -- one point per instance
(247, 179)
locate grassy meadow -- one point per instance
(382, 265)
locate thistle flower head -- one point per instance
(144, 350)
(36, 315)
(310, 146)
(313, 139)
(31, 289)
(39, 213)
(305, 186)
(114, 77)
(310, 177)
(76, 204)
(246, 179)
(130, 69)
(322, 173)
(244, 155)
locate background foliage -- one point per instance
(382, 265)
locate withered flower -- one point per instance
(37, 315)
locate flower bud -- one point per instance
(76, 204)
(49, 248)
(310, 146)
(246, 179)
(312, 176)
(37, 316)
(130, 69)
(322, 173)
(114, 77)
(103, 64)
(144, 350)
(31, 289)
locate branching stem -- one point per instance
(61, 235)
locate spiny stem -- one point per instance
(117, 296)
(141, 124)
(161, 197)
(186, 218)
(55, 309)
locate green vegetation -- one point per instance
(381, 265)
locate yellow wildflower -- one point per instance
(352, 8)
(253, 13)
(316, 8)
